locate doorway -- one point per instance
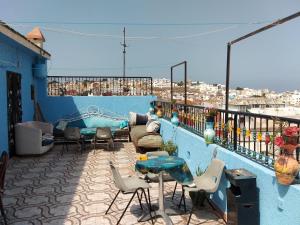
(14, 107)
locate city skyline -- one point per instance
(84, 39)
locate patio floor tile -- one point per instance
(77, 188)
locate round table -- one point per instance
(173, 165)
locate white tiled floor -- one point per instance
(77, 189)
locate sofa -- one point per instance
(87, 119)
(145, 141)
(33, 138)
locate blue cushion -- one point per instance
(91, 122)
(47, 142)
(123, 124)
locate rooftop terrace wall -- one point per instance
(278, 204)
(57, 107)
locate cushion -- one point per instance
(47, 136)
(132, 118)
(150, 141)
(47, 142)
(123, 124)
(137, 119)
(141, 119)
(61, 125)
(148, 123)
(153, 126)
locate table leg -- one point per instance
(161, 210)
(161, 192)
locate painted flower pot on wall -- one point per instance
(286, 169)
(286, 166)
(175, 119)
(159, 112)
(209, 133)
(151, 108)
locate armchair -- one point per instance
(33, 137)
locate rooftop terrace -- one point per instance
(78, 188)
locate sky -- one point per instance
(83, 38)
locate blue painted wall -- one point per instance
(15, 58)
(56, 107)
(278, 204)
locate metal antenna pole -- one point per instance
(124, 51)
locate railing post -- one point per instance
(171, 90)
(151, 80)
(235, 126)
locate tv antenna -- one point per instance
(124, 51)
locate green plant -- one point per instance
(211, 112)
(169, 147)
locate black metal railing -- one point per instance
(98, 86)
(248, 134)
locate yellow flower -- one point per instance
(259, 136)
(248, 133)
(238, 130)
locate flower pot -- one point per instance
(175, 119)
(286, 169)
(209, 133)
(159, 112)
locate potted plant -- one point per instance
(210, 114)
(169, 147)
(151, 108)
(174, 118)
(286, 166)
(209, 132)
(159, 112)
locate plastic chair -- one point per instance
(207, 183)
(104, 134)
(72, 135)
(130, 185)
(3, 166)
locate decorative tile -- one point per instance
(76, 189)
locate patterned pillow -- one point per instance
(132, 118)
(153, 126)
(137, 119)
(141, 119)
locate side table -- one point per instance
(121, 134)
